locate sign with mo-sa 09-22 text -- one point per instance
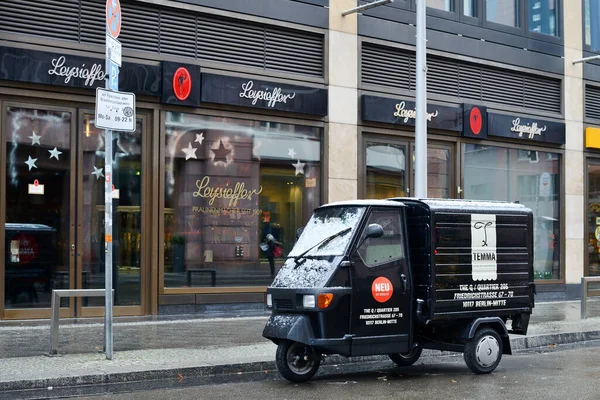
(115, 110)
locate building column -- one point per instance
(343, 102)
(574, 174)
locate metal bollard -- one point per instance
(56, 295)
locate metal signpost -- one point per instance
(421, 109)
(114, 111)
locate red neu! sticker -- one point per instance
(182, 83)
(28, 248)
(475, 121)
(382, 289)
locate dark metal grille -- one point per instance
(394, 68)
(592, 102)
(169, 31)
(283, 304)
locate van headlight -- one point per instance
(269, 300)
(308, 301)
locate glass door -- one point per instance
(440, 179)
(390, 168)
(38, 221)
(53, 217)
(386, 169)
(127, 217)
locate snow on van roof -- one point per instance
(466, 204)
(364, 203)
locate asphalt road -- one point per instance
(563, 372)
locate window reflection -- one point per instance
(592, 25)
(38, 201)
(542, 16)
(505, 12)
(386, 170)
(446, 5)
(229, 183)
(127, 202)
(530, 177)
(469, 8)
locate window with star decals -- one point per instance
(234, 189)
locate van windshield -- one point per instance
(336, 223)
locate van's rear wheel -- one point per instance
(297, 362)
(406, 359)
(484, 351)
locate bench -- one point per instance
(212, 272)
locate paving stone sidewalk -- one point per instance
(154, 350)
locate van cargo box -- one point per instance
(470, 258)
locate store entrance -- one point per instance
(389, 165)
(53, 210)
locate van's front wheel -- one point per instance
(406, 359)
(484, 351)
(297, 362)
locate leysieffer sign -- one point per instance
(59, 69)
(271, 96)
(402, 112)
(529, 130)
(244, 92)
(89, 74)
(518, 127)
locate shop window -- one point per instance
(542, 16)
(506, 177)
(228, 184)
(504, 12)
(446, 5)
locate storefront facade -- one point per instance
(250, 117)
(228, 148)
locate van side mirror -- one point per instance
(374, 231)
(299, 232)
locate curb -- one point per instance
(253, 370)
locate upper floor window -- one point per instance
(446, 5)
(542, 16)
(592, 30)
(469, 8)
(505, 12)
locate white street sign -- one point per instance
(115, 110)
(113, 50)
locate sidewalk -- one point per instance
(215, 349)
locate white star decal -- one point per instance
(97, 172)
(34, 138)
(199, 138)
(190, 152)
(31, 162)
(54, 153)
(299, 167)
(291, 153)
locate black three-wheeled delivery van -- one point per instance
(397, 276)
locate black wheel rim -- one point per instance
(301, 358)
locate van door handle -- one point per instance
(404, 283)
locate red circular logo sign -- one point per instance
(475, 121)
(382, 289)
(182, 83)
(28, 248)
